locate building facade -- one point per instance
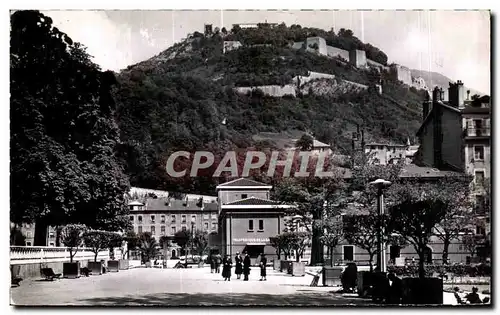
(248, 218)
(456, 134)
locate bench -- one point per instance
(85, 271)
(315, 280)
(49, 274)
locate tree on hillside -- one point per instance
(305, 143)
(62, 130)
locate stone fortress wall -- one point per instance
(356, 57)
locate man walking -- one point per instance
(239, 265)
(246, 266)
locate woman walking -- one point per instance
(226, 268)
(239, 265)
(263, 263)
(246, 266)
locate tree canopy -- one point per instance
(64, 137)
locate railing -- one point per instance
(477, 132)
(45, 254)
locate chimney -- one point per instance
(468, 94)
(456, 94)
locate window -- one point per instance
(139, 229)
(244, 196)
(214, 216)
(153, 219)
(139, 218)
(184, 228)
(173, 230)
(261, 225)
(183, 218)
(51, 244)
(214, 226)
(206, 226)
(480, 204)
(153, 230)
(348, 252)
(479, 152)
(205, 216)
(173, 218)
(131, 218)
(193, 218)
(28, 243)
(480, 230)
(479, 178)
(162, 230)
(250, 225)
(162, 218)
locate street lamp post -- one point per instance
(192, 238)
(380, 184)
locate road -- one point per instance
(177, 287)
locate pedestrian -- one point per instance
(218, 262)
(395, 290)
(212, 263)
(239, 265)
(473, 298)
(246, 266)
(226, 268)
(263, 263)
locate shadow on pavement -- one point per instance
(224, 299)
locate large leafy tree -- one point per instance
(63, 134)
(418, 209)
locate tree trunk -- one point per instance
(40, 233)
(370, 255)
(446, 245)
(58, 236)
(95, 255)
(70, 255)
(421, 267)
(316, 245)
(331, 256)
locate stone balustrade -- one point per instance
(45, 254)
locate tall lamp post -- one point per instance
(192, 237)
(380, 184)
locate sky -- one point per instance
(453, 43)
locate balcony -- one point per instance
(473, 132)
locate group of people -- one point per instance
(242, 266)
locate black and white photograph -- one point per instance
(243, 158)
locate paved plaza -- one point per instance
(174, 287)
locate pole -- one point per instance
(381, 254)
(192, 238)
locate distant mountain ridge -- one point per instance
(434, 78)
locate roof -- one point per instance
(253, 201)
(136, 203)
(412, 170)
(386, 144)
(319, 144)
(475, 110)
(163, 204)
(243, 182)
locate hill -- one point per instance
(178, 100)
(439, 80)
